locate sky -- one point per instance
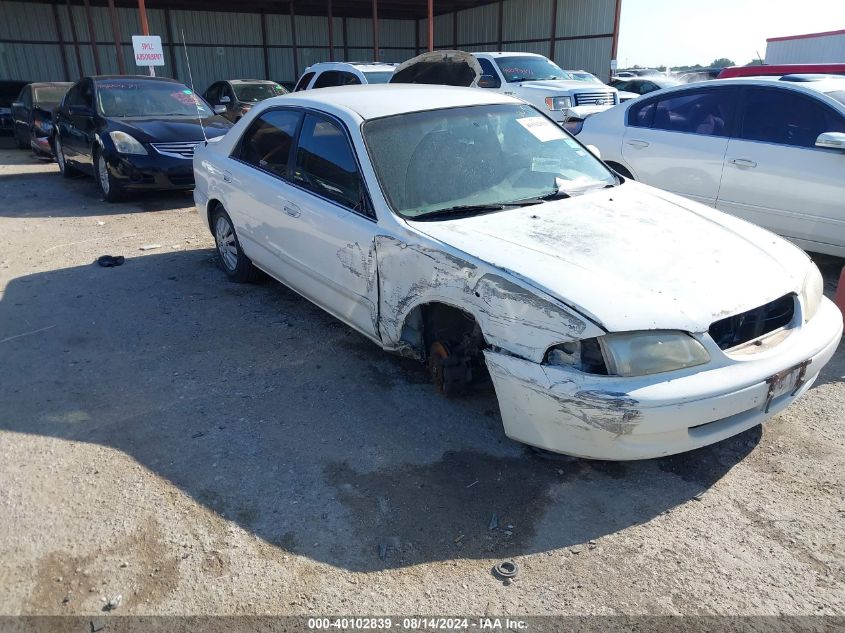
(686, 32)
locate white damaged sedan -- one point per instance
(466, 229)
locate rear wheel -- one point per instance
(22, 144)
(64, 169)
(230, 257)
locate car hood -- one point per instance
(446, 68)
(558, 85)
(633, 258)
(170, 129)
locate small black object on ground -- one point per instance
(506, 570)
(110, 261)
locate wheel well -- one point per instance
(210, 209)
(442, 322)
(620, 169)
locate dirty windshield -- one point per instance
(145, 98)
(429, 163)
(529, 68)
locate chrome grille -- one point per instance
(184, 149)
(605, 97)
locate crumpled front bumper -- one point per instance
(607, 417)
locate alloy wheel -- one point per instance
(224, 236)
(103, 174)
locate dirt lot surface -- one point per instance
(201, 447)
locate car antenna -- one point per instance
(193, 91)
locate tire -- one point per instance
(230, 257)
(111, 189)
(64, 169)
(21, 144)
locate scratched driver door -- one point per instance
(329, 236)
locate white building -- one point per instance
(812, 48)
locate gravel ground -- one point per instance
(201, 447)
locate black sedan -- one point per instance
(132, 132)
(32, 115)
(233, 98)
(9, 89)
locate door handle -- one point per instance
(227, 176)
(744, 162)
(292, 210)
(638, 144)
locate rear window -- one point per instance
(378, 77)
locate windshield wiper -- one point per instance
(466, 210)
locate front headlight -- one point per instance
(126, 143)
(644, 353)
(812, 291)
(631, 353)
(558, 103)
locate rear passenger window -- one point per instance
(303, 82)
(705, 113)
(642, 114)
(325, 163)
(348, 79)
(268, 141)
(786, 118)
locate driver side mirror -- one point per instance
(220, 109)
(488, 81)
(831, 140)
(225, 100)
(17, 104)
(80, 110)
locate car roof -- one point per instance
(42, 84)
(133, 77)
(373, 101)
(807, 87)
(250, 81)
(506, 54)
(368, 65)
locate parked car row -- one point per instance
(465, 228)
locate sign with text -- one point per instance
(148, 50)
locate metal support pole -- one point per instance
(72, 22)
(501, 19)
(454, 29)
(92, 36)
(293, 41)
(553, 31)
(430, 25)
(264, 45)
(145, 27)
(168, 26)
(345, 41)
(375, 31)
(331, 32)
(61, 39)
(115, 28)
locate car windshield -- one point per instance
(253, 93)
(145, 98)
(839, 95)
(50, 95)
(465, 159)
(528, 68)
(378, 76)
(584, 77)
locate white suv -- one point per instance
(328, 74)
(565, 95)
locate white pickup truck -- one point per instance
(528, 76)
